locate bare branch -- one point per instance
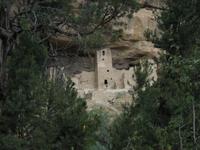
(44, 39)
(146, 5)
(180, 138)
(5, 33)
(194, 124)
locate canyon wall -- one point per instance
(106, 79)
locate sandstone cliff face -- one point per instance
(154, 3)
(126, 53)
(133, 45)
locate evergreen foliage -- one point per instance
(85, 22)
(180, 26)
(165, 115)
(37, 113)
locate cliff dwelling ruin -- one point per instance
(106, 79)
(103, 86)
(105, 76)
(98, 81)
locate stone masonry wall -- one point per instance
(108, 83)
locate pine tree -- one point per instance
(20, 105)
(179, 23)
(166, 115)
(37, 113)
(34, 112)
(85, 23)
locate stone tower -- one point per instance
(104, 69)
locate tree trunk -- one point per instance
(194, 125)
(1, 62)
(180, 138)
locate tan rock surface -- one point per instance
(126, 53)
(136, 26)
(155, 3)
